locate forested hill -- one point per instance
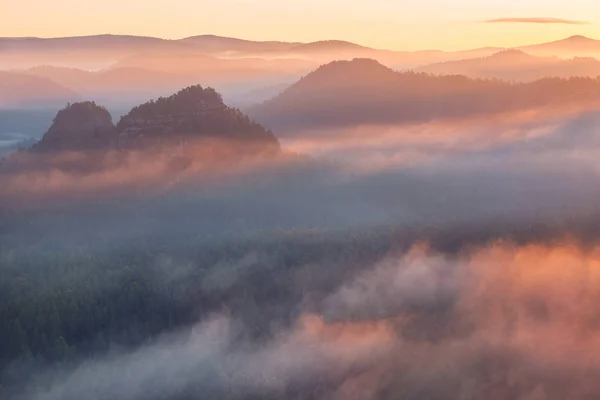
(192, 113)
(79, 126)
(362, 91)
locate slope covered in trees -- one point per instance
(362, 91)
(25, 91)
(59, 306)
(79, 126)
(192, 113)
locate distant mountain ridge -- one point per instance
(328, 45)
(221, 43)
(516, 65)
(121, 70)
(101, 51)
(19, 90)
(572, 46)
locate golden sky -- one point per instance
(394, 24)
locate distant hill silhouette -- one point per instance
(209, 68)
(103, 51)
(327, 45)
(213, 44)
(516, 65)
(194, 113)
(82, 42)
(145, 76)
(89, 52)
(125, 81)
(572, 46)
(24, 91)
(80, 126)
(362, 91)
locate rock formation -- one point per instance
(191, 114)
(81, 126)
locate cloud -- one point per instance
(538, 20)
(518, 321)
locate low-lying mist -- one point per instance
(500, 321)
(529, 166)
(449, 259)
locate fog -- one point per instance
(524, 166)
(500, 321)
(451, 258)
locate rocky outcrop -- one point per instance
(80, 127)
(191, 114)
(172, 122)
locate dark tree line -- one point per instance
(65, 304)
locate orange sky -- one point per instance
(394, 24)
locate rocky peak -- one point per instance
(169, 123)
(192, 113)
(79, 126)
(191, 100)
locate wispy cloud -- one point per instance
(538, 20)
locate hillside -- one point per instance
(81, 126)
(24, 91)
(86, 52)
(327, 46)
(515, 65)
(191, 114)
(103, 51)
(362, 91)
(212, 44)
(212, 69)
(124, 81)
(570, 47)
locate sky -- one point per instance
(392, 24)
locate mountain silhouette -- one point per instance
(211, 68)
(88, 52)
(346, 93)
(103, 51)
(82, 126)
(19, 90)
(516, 65)
(192, 113)
(572, 46)
(213, 44)
(326, 46)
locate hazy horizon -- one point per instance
(482, 45)
(381, 23)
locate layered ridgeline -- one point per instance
(363, 91)
(194, 114)
(22, 91)
(516, 65)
